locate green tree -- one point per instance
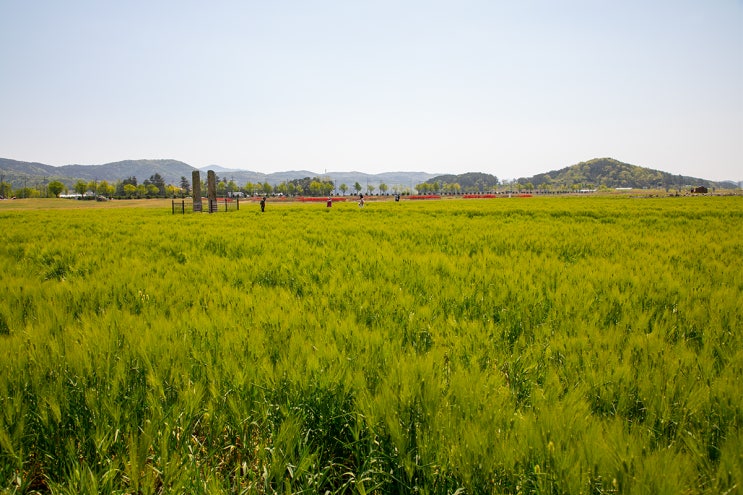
(81, 186)
(249, 188)
(6, 189)
(27, 192)
(452, 188)
(357, 187)
(157, 181)
(152, 190)
(267, 188)
(370, 189)
(315, 188)
(343, 188)
(130, 190)
(382, 188)
(55, 188)
(120, 189)
(103, 188)
(185, 186)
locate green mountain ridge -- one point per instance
(611, 173)
(22, 174)
(32, 174)
(592, 174)
(596, 173)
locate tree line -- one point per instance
(156, 187)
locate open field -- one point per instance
(533, 345)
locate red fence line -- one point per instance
(318, 200)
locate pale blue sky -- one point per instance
(509, 88)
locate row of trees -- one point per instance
(308, 186)
(506, 186)
(155, 187)
(438, 188)
(53, 188)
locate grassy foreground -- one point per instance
(540, 345)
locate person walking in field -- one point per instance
(361, 200)
(263, 204)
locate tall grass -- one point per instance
(541, 345)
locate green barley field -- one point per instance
(575, 345)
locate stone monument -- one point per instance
(196, 188)
(211, 190)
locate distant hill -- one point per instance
(170, 170)
(593, 174)
(32, 169)
(22, 174)
(28, 174)
(596, 173)
(611, 173)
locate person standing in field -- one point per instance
(361, 200)
(263, 204)
(330, 202)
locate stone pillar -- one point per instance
(211, 190)
(196, 189)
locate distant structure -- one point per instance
(699, 190)
(196, 181)
(211, 190)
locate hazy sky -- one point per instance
(511, 88)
